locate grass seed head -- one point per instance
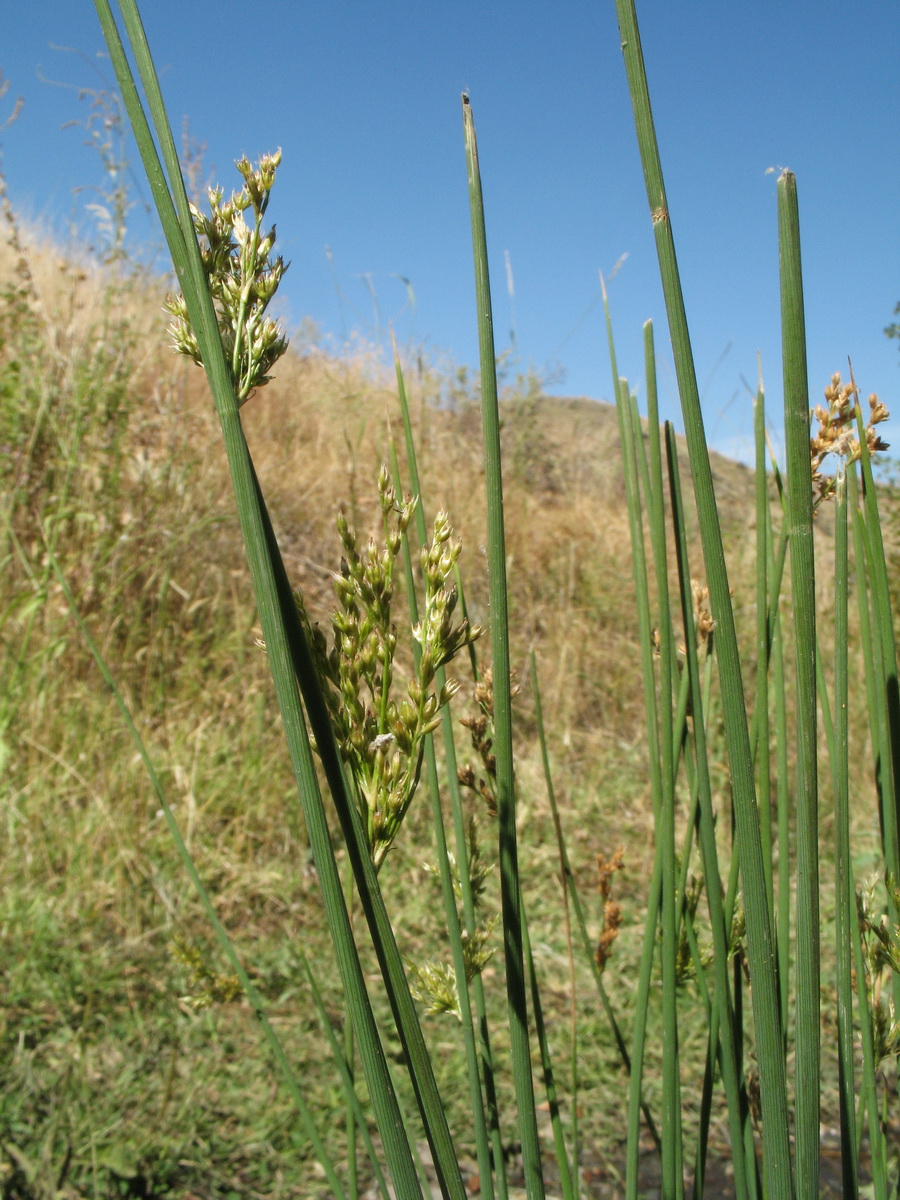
(481, 731)
(836, 432)
(381, 735)
(243, 278)
(208, 987)
(612, 910)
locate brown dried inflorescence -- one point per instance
(612, 910)
(836, 433)
(481, 730)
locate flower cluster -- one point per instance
(612, 910)
(208, 987)
(881, 955)
(242, 276)
(836, 433)
(685, 962)
(434, 982)
(380, 736)
(481, 730)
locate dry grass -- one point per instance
(111, 449)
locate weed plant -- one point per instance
(483, 954)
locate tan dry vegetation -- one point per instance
(114, 453)
(117, 452)
(151, 543)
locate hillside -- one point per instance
(112, 458)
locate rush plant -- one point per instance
(724, 931)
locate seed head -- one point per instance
(242, 277)
(837, 432)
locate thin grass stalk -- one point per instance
(351, 1122)
(759, 933)
(720, 927)
(754, 1181)
(672, 734)
(226, 945)
(345, 1069)
(406, 1020)
(350, 1058)
(701, 973)
(497, 1151)
(878, 1150)
(763, 647)
(642, 992)
(845, 892)
(567, 917)
(678, 719)
(580, 920)
(642, 604)
(863, 597)
(682, 752)
(803, 588)
(291, 663)
(884, 630)
(712, 1020)
(739, 965)
(824, 705)
(639, 1032)
(735, 1099)
(739, 962)
(673, 1175)
(638, 566)
(783, 815)
(426, 1185)
(705, 1109)
(880, 723)
(499, 626)
(451, 914)
(775, 568)
(459, 823)
(566, 1182)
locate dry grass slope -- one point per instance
(110, 454)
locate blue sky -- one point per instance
(364, 98)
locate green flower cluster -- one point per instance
(382, 736)
(881, 956)
(208, 987)
(433, 983)
(242, 276)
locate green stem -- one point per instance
(499, 626)
(729, 1062)
(673, 1177)
(454, 931)
(845, 892)
(763, 646)
(759, 929)
(803, 590)
(567, 918)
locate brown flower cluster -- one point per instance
(704, 625)
(612, 910)
(481, 730)
(836, 433)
